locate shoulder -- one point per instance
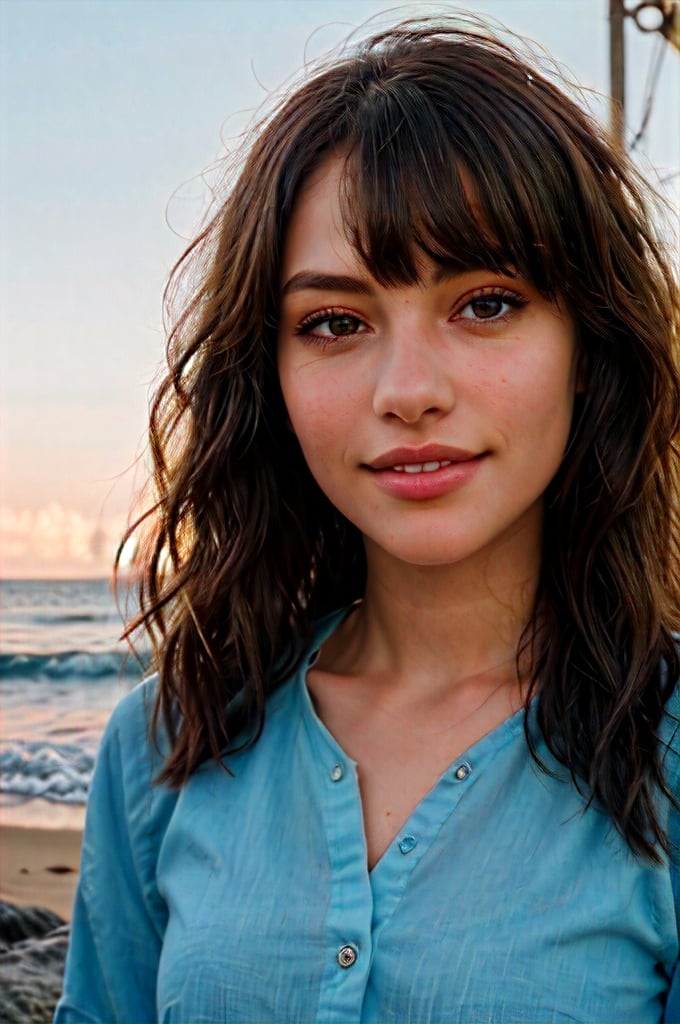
(128, 738)
(131, 755)
(130, 720)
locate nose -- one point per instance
(412, 380)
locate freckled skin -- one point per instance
(422, 367)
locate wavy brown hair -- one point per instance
(244, 552)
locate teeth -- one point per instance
(421, 467)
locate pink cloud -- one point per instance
(56, 541)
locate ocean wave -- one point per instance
(59, 772)
(70, 665)
(74, 618)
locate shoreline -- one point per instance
(40, 863)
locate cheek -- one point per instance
(531, 399)
(550, 396)
(321, 411)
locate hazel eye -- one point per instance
(491, 305)
(341, 325)
(486, 307)
(326, 325)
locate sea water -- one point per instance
(62, 670)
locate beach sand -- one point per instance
(39, 865)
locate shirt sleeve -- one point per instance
(118, 916)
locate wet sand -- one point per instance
(39, 865)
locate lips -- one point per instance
(425, 472)
(421, 459)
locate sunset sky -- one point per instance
(110, 111)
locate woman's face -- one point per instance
(433, 416)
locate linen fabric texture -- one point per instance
(248, 898)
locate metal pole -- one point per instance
(617, 86)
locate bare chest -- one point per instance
(390, 792)
(394, 781)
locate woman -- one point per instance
(411, 752)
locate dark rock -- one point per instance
(31, 965)
(17, 923)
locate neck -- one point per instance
(431, 628)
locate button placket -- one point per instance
(348, 925)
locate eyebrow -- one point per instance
(309, 280)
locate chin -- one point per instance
(423, 553)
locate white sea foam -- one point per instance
(53, 771)
(62, 670)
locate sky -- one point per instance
(110, 112)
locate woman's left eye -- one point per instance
(340, 325)
(492, 305)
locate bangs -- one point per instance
(449, 181)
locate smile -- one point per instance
(426, 480)
(421, 467)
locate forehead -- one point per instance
(316, 236)
(321, 236)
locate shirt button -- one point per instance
(408, 843)
(337, 772)
(347, 956)
(462, 771)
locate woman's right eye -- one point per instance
(327, 325)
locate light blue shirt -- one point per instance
(248, 898)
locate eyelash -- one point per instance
(306, 326)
